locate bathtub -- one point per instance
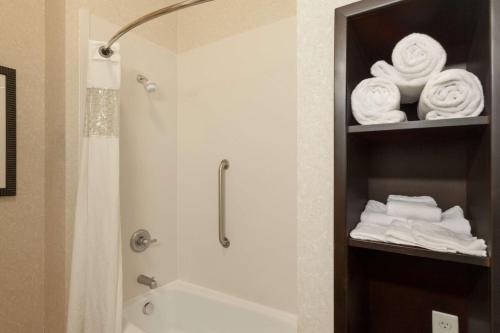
(180, 307)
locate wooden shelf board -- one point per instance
(421, 124)
(419, 252)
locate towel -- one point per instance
(422, 199)
(370, 232)
(414, 60)
(414, 211)
(376, 101)
(452, 219)
(437, 238)
(454, 93)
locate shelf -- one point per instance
(419, 252)
(421, 125)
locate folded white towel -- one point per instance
(376, 101)
(423, 234)
(452, 219)
(414, 59)
(454, 93)
(421, 199)
(413, 211)
(369, 231)
(434, 237)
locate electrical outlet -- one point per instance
(444, 323)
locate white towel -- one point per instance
(421, 199)
(376, 101)
(370, 232)
(414, 60)
(413, 211)
(454, 93)
(452, 219)
(434, 237)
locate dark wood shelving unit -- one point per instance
(419, 252)
(385, 288)
(421, 125)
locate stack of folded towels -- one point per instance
(416, 74)
(418, 221)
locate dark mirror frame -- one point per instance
(10, 91)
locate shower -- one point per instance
(149, 85)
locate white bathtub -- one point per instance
(180, 307)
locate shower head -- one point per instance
(149, 85)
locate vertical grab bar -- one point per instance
(224, 165)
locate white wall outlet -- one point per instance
(444, 323)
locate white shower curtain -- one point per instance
(95, 303)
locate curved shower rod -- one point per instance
(106, 51)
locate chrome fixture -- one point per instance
(224, 165)
(147, 281)
(148, 308)
(106, 51)
(149, 85)
(141, 240)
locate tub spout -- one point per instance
(147, 281)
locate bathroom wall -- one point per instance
(315, 168)
(22, 217)
(55, 228)
(148, 161)
(237, 100)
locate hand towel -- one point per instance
(454, 93)
(453, 219)
(414, 60)
(413, 211)
(376, 101)
(400, 232)
(369, 231)
(421, 199)
(434, 237)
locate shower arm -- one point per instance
(106, 51)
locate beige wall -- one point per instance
(22, 217)
(237, 100)
(55, 282)
(315, 169)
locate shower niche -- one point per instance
(389, 288)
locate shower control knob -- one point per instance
(141, 240)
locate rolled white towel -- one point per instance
(414, 60)
(376, 101)
(454, 93)
(413, 211)
(425, 200)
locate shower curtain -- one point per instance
(95, 302)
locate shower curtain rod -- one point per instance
(106, 52)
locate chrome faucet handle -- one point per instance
(141, 240)
(148, 242)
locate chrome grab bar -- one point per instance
(224, 165)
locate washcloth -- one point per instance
(421, 199)
(376, 101)
(454, 93)
(414, 60)
(413, 211)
